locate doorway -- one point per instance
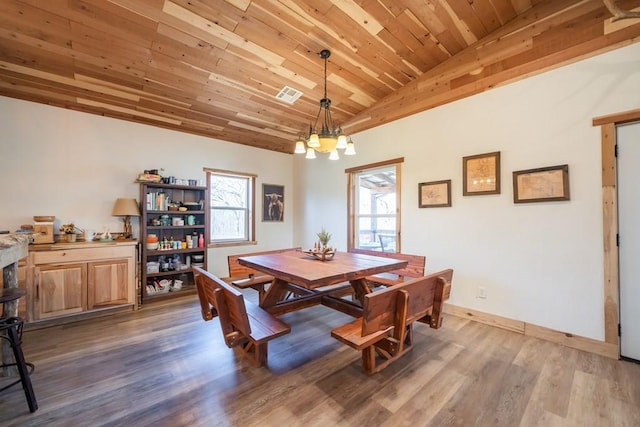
(628, 160)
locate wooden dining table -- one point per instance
(301, 280)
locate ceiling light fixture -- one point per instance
(330, 138)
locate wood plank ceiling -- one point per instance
(213, 67)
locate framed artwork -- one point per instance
(481, 174)
(272, 203)
(541, 185)
(434, 194)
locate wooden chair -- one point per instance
(414, 268)
(245, 277)
(384, 332)
(244, 324)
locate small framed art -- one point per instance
(273, 203)
(481, 174)
(541, 185)
(434, 194)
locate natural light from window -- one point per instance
(231, 197)
(375, 205)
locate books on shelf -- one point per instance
(157, 201)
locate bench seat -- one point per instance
(384, 332)
(243, 323)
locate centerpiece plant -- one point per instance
(323, 238)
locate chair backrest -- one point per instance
(240, 271)
(218, 297)
(380, 308)
(415, 265)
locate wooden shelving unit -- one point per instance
(173, 263)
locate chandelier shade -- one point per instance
(328, 138)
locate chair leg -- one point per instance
(22, 368)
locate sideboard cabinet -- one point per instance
(70, 279)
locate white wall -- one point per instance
(75, 165)
(539, 262)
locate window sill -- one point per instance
(227, 244)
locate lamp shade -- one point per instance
(126, 207)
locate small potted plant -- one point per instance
(324, 252)
(69, 231)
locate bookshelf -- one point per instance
(182, 238)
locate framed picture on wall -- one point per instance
(541, 185)
(481, 174)
(272, 203)
(434, 194)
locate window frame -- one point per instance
(352, 193)
(251, 208)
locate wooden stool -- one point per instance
(11, 331)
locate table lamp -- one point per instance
(126, 208)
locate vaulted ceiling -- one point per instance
(214, 67)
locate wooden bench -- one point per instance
(414, 268)
(384, 332)
(243, 323)
(245, 277)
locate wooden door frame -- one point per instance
(610, 221)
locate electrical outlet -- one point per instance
(482, 292)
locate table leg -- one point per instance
(277, 292)
(361, 288)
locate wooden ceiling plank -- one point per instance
(142, 96)
(26, 20)
(181, 39)
(219, 12)
(61, 80)
(382, 113)
(430, 45)
(438, 21)
(505, 10)
(148, 9)
(103, 17)
(28, 91)
(177, 68)
(130, 111)
(467, 19)
(121, 65)
(193, 20)
(271, 38)
(360, 16)
(520, 6)
(108, 42)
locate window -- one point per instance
(232, 199)
(374, 206)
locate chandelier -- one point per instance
(330, 138)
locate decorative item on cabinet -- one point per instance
(172, 237)
(126, 208)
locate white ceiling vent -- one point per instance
(288, 95)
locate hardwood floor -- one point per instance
(165, 366)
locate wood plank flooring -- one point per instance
(165, 366)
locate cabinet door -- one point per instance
(60, 290)
(108, 283)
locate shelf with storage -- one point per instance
(181, 236)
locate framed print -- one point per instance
(273, 203)
(541, 185)
(434, 194)
(481, 174)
